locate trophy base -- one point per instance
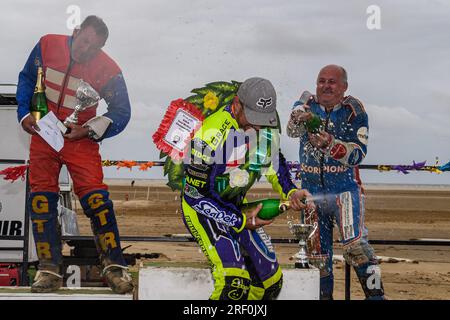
(302, 265)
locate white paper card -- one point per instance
(180, 130)
(50, 131)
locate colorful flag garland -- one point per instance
(16, 172)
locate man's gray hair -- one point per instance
(343, 71)
(344, 74)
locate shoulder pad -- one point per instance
(354, 105)
(215, 129)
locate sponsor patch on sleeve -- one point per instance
(192, 192)
(338, 151)
(355, 157)
(363, 135)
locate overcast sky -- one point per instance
(401, 72)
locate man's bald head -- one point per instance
(331, 85)
(338, 69)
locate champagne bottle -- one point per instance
(39, 102)
(271, 208)
(313, 124)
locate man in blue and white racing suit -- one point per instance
(328, 163)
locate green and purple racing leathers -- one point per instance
(217, 177)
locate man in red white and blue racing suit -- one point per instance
(65, 60)
(328, 168)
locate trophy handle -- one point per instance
(316, 225)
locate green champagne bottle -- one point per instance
(271, 208)
(39, 102)
(313, 124)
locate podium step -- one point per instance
(181, 283)
(88, 293)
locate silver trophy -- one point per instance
(302, 232)
(86, 97)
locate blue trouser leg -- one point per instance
(262, 263)
(46, 229)
(99, 208)
(369, 276)
(347, 208)
(357, 251)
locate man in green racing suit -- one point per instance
(219, 171)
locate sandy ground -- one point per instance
(392, 212)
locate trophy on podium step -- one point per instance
(302, 232)
(306, 231)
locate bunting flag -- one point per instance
(445, 167)
(143, 165)
(16, 172)
(295, 167)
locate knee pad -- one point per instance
(370, 279)
(358, 254)
(43, 205)
(99, 208)
(46, 229)
(95, 202)
(362, 258)
(230, 283)
(235, 288)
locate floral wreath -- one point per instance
(205, 101)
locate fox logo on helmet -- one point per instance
(264, 103)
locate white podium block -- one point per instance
(300, 284)
(172, 283)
